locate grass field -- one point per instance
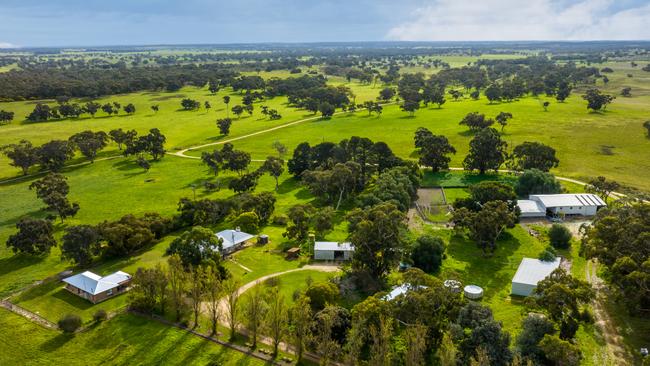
(124, 340)
(588, 144)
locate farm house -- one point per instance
(529, 273)
(540, 205)
(233, 240)
(333, 251)
(95, 288)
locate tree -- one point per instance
(602, 187)
(534, 155)
(300, 316)
(121, 138)
(53, 155)
(300, 160)
(155, 108)
(89, 143)
(207, 106)
(502, 118)
(300, 217)
(323, 221)
(69, 323)
(486, 225)
(322, 294)
(129, 108)
(534, 181)
(41, 112)
(177, 284)
(92, 108)
(646, 125)
(190, 104)
(6, 117)
(386, 94)
(376, 236)
(533, 330)
(213, 86)
(196, 290)
(108, 109)
(231, 289)
(486, 151)
(563, 92)
(415, 345)
(562, 296)
(493, 93)
(196, 247)
(23, 155)
(275, 167)
(427, 253)
(254, 311)
(434, 151)
(224, 125)
(143, 163)
(480, 334)
(280, 148)
(238, 110)
(34, 237)
(149, 286)
(226, 101)
(213, 291)
(276, 318)
(247, 221)
(560, 352)
(596, 100)
(545, 105)
(80, 244)
(447, 351)
(244, 183)
(410, 106)
(476, 121)
(326, 110)
(213, 160)
(559, 236)
(53, 190)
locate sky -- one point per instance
(60, 23)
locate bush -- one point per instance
(428, 253)
(280, 220)
(100, 315)
(70, 323)
(548, 255)
(248, 222)
(559, 236)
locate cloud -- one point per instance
(7, 45)
(487, 20)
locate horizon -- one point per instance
(78, 23)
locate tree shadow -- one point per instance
(56, 342)
(467, 133)
(18, 262)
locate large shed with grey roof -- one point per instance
(233, 240)
(540, 205)
(530, 273)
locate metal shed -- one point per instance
(331, 250)
(529, 273)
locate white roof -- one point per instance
(333, 245)
(233, 237)
(95, 284)
(569, 199)
(400, 290)
(531, 271)
(530, 206)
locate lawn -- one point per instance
(124, 340)
(294, 282)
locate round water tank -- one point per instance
(473, 292)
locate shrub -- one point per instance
(559, 236)
(548, 255)
(70, 323)
(100, 315)
(428, 253)
(280, 220)
(248, 222)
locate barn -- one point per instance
(333, 251)
(95, 288)
(540, 205)
(233, 240)
(529, 273)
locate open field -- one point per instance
(588, 144)
(124, 340)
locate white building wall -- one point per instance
(522, 289)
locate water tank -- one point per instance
(263, 239)
(473, 292)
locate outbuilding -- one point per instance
(95, 288)
(530, 273)
(540, 205)
(233, 240)
(333, 251)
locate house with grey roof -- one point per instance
(233, 240)
(95, 288)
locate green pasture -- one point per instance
(124, 340)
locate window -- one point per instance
(109, 292)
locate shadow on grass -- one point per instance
(17, 262)
(56, 342)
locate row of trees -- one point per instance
(65, 109)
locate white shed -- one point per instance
(529, 273)
(584, 204)
(530, 208)
(331, 250)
